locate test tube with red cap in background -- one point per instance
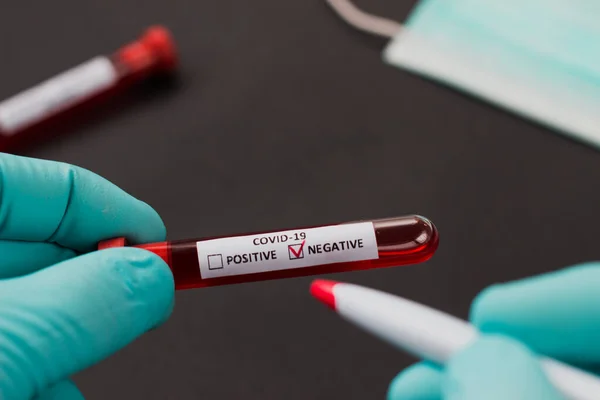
(24, 117)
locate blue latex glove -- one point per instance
(554, 314)
(60, 312)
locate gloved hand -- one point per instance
(60, 311)
(553, 314)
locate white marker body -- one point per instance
(435, 336)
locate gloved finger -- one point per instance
(60, 320)
(20, 258)
(555, 314)
(64, 390)
(73, 207)
(496, 368)
(422, 381)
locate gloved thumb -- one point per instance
(64, 390)
(496, 368)
(62, 319)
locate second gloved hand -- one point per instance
(554, 314)
(61, 312)
(492, 368)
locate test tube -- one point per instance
(353, 246)
(24, 113)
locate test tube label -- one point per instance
(56, 94)
(289, 249)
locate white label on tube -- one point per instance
(56, 94)
(289, 249)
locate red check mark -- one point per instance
(297, 253)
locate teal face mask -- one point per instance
(536, 58)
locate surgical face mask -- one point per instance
(536, 58)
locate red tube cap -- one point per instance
(153, 52)
(110, 243)
(160, 42)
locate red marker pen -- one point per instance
(354, 246)
(100, 77)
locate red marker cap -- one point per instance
(322, 290)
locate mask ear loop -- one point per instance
(366, 22)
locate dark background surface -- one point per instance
(284, 116)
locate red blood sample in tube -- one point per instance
(353, 246)
(33, 110)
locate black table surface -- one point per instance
(283, 116)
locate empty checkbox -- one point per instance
(215, 261)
